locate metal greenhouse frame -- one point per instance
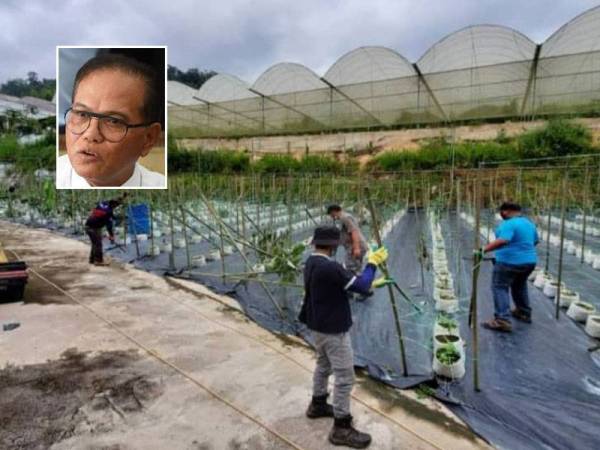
(481, 72)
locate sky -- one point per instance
(244, 37)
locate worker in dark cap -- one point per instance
(515, 259)
(326, 312)
(101, 216)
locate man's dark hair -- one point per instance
(333, 208)
(153, 102)
(114, 203)
(509, 206)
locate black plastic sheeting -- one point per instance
(374, 335)
(540, 387)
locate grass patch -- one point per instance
(558, 138)
(28, 157)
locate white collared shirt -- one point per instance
(66, 177)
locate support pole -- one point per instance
(563, 208)
(375, 228)
(586, 186)
(248, 265)
(476, 265)
(351, 100)
(185, 238)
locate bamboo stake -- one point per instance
(476, 266)
(172, 253)
(243, 214)
(152, 243)
(375, 227)
(562, 242)
(185, 238)
(585, 210)
(222, 251)
(548, 225)
(248, 265)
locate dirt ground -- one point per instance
(46, 403)
(376, 141)
(115, 358)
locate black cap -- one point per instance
(326, 235)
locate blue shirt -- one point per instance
(522, 238)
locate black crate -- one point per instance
(12, 289)
(13, 265)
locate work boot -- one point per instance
(343, 433)
(520, 315)
(497, 325)
(101, 263)
(319, 408)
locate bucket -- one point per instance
(579, 311)
(567, 297)
(452, 370)
(592, 326)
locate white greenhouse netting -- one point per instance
(479, 72)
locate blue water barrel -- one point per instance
(138, 219)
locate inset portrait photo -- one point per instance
(111, 127)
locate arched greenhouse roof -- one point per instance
(285, 78)
(223, 88)
(580, 35)
(181, 94)
(368, 64)
(477, 46)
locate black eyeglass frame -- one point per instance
(105, 116)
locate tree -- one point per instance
(192, 77)
(32, 87)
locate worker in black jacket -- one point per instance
(101, 216)
(326, 312)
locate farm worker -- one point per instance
(114, 119)
(326, 312)
(352, 239)
(514, 246)
(101, 216)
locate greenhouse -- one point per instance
(482, 72)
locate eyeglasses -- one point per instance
(112, 128)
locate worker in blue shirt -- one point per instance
(514, 246)
(326, 312)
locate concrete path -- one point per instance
(116, 358)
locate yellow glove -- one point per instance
(377, 257)
(382, 281)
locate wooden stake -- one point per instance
(383, 267)
(476, 265)
(562, 240)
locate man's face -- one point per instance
(335, 215)
(504, 214)
(120, 95)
